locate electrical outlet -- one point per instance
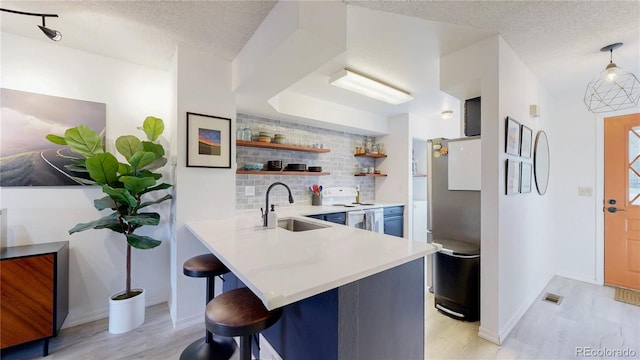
(249, 191)
(585, 191)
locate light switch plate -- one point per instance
(585, 191)
(249, 191)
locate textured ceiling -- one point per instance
(551, 37)
(558, 40)
(144, 32)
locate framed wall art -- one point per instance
(513, 177)
(27, 158)
(512, 137)
(525, 177)
(208, 141)
(526, 136)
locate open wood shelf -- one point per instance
(373, 175)
(287, 173)
(371, 155)
(266, 145)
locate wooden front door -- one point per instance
(622, 201)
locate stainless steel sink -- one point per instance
(296, 225)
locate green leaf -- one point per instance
(154, 148)
(84, 141)
(142, 242)
(143, 219)
(141, 159)
(76, 168)
(105, 203)
(147, 173)
(103, 168)
(162, 186)
(156, 164)
(79, 166)
(83, 181)
(107, 222)
(120, 195)
(136, 185)
(148, 203)
(153, 127)
(128, 145)
(56, 139)
(125, 169)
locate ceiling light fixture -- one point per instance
(446, 114)
(54, 35)
(614, 89)
(349, 80)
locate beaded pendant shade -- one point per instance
(614, 89)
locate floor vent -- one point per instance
(552, 298)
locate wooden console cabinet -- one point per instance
(34, 287)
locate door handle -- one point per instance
(613, 209)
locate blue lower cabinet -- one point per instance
(307, 328)
(394, 221)
(378, 317)
(337, 218)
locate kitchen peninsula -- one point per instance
(346, 293)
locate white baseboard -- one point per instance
(511, 324)
(101, 313)
(489, 336)
(189, 321)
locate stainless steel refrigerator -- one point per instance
(454, 214)
(454, 182)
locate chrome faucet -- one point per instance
(266, 202)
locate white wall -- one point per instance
(525, 220)
(203, 87)
(465, 78)
(577, 160)
(516, 237)
(44, 214)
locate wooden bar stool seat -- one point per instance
(239, 312)
(209, 347)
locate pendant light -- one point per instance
(614, 89)
(54, 35)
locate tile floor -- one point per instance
(587, 318)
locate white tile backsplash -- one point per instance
(340, 162)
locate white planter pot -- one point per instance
(126, 315)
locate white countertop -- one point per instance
(282, 267)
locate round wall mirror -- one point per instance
(541, 162)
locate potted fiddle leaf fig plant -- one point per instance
(126, 186)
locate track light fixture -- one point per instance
(614, 89)
(54, 35)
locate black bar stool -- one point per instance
(208, 347)
(239, 312)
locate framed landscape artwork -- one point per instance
(525, 177)
(208, 141)
(26, 157)
(513, 177)
(512, 137)
(525, 142)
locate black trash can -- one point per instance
(456, 280)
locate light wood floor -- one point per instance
(587, 317)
